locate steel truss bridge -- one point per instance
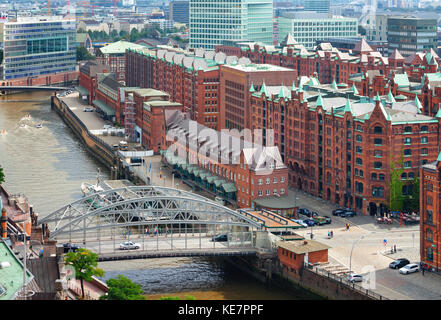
(161, 221)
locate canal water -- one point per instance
(48, 165)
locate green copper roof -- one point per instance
(252, 88)
(401, 80)
(390, 96)
(300, 89)
(319, 101)
(281, 93)
(348, 107)
(334, 85)
(439, 157)
(293, 88)
(377, 97)
(354, 89)
(263, 88)
(438, 114)
(418, 103)
(119, 47)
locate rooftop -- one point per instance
(149, 92)
(302, 246)
(258, 68)
(11, 277)
(119, 47)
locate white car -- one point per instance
(88, 109)
(129, 245)
(410, 268)
(354, 277)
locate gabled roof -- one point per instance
(396, 55)
(288, 40)
(362, 46)
(119, 47)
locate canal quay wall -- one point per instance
(313, 284)
(97, 147)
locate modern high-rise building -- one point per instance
(179, 11)
(410, 34)
(309, 27)
(36, 46)
(212, 21)
(317, 5)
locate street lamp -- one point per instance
(353, 245)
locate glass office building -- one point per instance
(308, 30)
(212, 21)
(35, 46)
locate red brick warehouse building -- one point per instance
(191, 78)
(235, 82)
(340, 148)
(430, 218)
(223, 164)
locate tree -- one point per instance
(122, 288)
(85, 263)
(83, 54)
(2, 175)
(396, 184)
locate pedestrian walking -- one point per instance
(395, 248)
(332, 233)
(422, 270)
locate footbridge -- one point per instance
(160, 221)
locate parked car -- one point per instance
(319, 220)
(300, 222)
(88, 109)
(399, 263)
(127, 245)
(338, 212)
(303, 211)
(328, 219)
(220, 238)
(410, 268)
(309, 222)
(69, 247)
(354, 277)
(349, 213)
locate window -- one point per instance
(429, 216)
(407, 140)
(282, 179)
(275, 191)
(404, 176)
(408, 129)
(359, 149)
(260, 182)
(378, 130)
(282, 191)
(429, 235)
(408, 164)
(429, 254)
(424, 140)
(378, 192)
(381, 177)
(378, 165)
(358, 138)
(429, 200)
(268, 192)
(424, 129)
(378, 153)
(424, 151)
(373, 176)
(407, 152)
(411, 175)
(359, 187)
(423, 162)
(268, 180)
(378, 141)
(358, 161)
(260, 192)
(275, 180)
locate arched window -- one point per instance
(404, 176)
(424, 128)
(373, 176)
(408, 129)
(381, 177)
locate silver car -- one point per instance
(410, 268)
(354, 277)
(127, 245)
